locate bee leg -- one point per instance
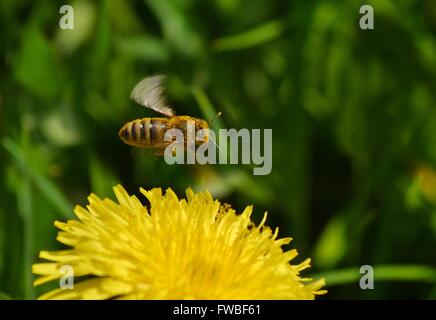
(190, 150)
(159, 152)
(175, 147)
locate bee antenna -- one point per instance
(216, 117)
(213, 141)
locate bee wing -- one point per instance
(149, 93)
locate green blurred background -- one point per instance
(353, 116)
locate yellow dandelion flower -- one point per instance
(194, 248)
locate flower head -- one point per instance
(193, 248)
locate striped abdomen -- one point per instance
(146, 132)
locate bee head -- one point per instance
(201, 124)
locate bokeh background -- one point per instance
(352, 111)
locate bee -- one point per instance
(150, 132)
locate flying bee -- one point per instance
(150, 132)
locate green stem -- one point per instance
(381, 273)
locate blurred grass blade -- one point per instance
(102, 178)
(145, 48)
(381, 273)
(176, 25)
(4, 296)
(209, 112)
(256, 36)
(47, 188)
(332, 243)
(25, 208)
(35, 65)
(206, 107)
